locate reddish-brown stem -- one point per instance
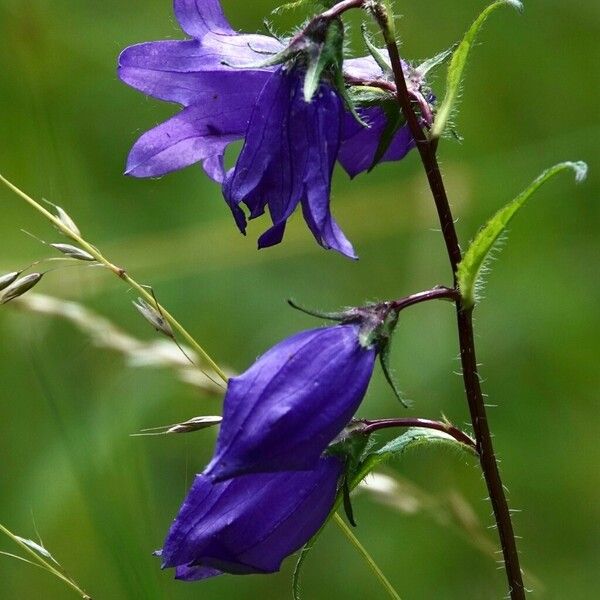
(460, 436)
(427, 150)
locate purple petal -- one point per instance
(205, 21)
(198, 133)
(251, 523)
(270, 168)
(364, 68)
(323, 133)
(288, 157)
(359, 144)
(185, 573)
(156, 70)
(199, 17)
(283, 412)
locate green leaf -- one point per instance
(471, 267)
(413, 438)
(457, 66)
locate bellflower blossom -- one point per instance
(283, 412)
(251, 523)
(290, 145)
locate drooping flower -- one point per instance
(251, 523)
(282, 413)
(291, 144)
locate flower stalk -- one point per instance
(370, 426)
(428, 152)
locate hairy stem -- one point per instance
(119, 272)
(438, 293)
(460, 436)
(427, 150)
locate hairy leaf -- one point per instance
(470, 268)
(457, 66)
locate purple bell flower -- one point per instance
(251, 523)
(283, 412)
(290, 145)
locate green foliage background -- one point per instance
(102, 500)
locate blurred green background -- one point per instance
(102, 500)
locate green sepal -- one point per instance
(397, 448)
(365, 96)
(377, 330)
(394, 120)
(323, 53)
(330, 316)
(435, 61)
(384, 360)
(378, 55)
(348, 509)
(340, 86)
(470, 268)
(351, 446)
(457, 66)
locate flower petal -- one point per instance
(155, 70)
(183, 140)
(269, 169)
(359, 144)
(199, 17)
(185, 573)
(323, 133)
(251, 523)
(286, 408)
(364, 68)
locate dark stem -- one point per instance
(460, 436)
(489, 465)
(337, 10)
(437, 293)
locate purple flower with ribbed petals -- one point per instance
(283, 412)
(288, 159)
(251, 523)
(290, 145)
